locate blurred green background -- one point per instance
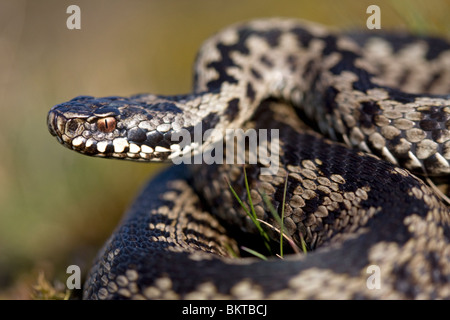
(58, 207)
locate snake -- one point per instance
(361, 117)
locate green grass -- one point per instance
(257, 222)
(251, 213)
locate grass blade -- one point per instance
(255, 253)
(252, 212)
(288, 239)
(283, 205)
(280, 221)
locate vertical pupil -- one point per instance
(106, 124)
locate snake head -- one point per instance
(115, 127)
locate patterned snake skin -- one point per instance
(384, 94)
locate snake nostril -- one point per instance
(73, 127)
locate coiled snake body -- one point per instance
(386, 94)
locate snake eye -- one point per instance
(106, 124)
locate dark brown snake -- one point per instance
(374, 230)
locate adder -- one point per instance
(373, 229)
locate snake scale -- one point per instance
(356, 202)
